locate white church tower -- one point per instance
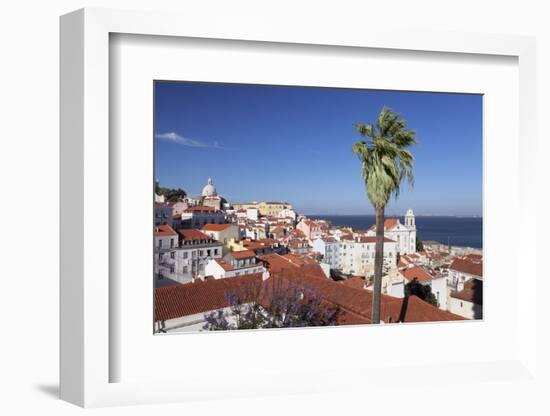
(409, 219)
(410, 224)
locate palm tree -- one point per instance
(385, 163)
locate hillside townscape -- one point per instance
(259, 264)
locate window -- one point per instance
(215, 251)
(171, 268)
(185, 269)
(172, 254)
(172, 243)
(160, 243)
(185, 254)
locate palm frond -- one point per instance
(385, 160)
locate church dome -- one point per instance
(409, 213)
(209, 189)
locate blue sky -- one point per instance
(294, 143)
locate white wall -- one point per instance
(439, 289)
(463, 308)
(29, 158)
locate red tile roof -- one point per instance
(193, 234)
(164, 231)
(355, 282)
(298, 244)
(258, 244)
(472, 292)
(200, 208)
(354, 304)
(244, 254)
(224, 265)
(297, 233)
(181, 300)
(388, 224)
(216, 227)
(298, 260)
(276, 263)
(417, 273)
(467, 266)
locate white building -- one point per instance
(403, 234)
(463, 270)
(467, 300)
(252, 213)
(329, 248)
(357, 255)
(186, 259)
(179, 207)
(224, 233)
(166, 242)
(287, 213)
(234, 264)
(200, 215)
(440, 291)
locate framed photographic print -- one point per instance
(330, 200)
(291, 241)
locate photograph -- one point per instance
(282, 206)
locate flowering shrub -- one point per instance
(275, 305)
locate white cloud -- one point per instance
(176, 138)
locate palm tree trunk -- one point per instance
(378, 262)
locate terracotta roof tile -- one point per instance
(244, 254)
(417, 273)
(216, 227)
(354, 304)
(193, 234)
(355, 282)
(472, 292)
(164, 231)
(467, 266)
(192, 298)
(200, 208)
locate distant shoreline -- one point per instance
(459, 231)
(394, 215)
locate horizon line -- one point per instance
(398, 215)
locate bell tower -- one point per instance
(409, 219)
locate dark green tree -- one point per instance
(172, 195)
(424, 292)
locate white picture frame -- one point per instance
(86, 291)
